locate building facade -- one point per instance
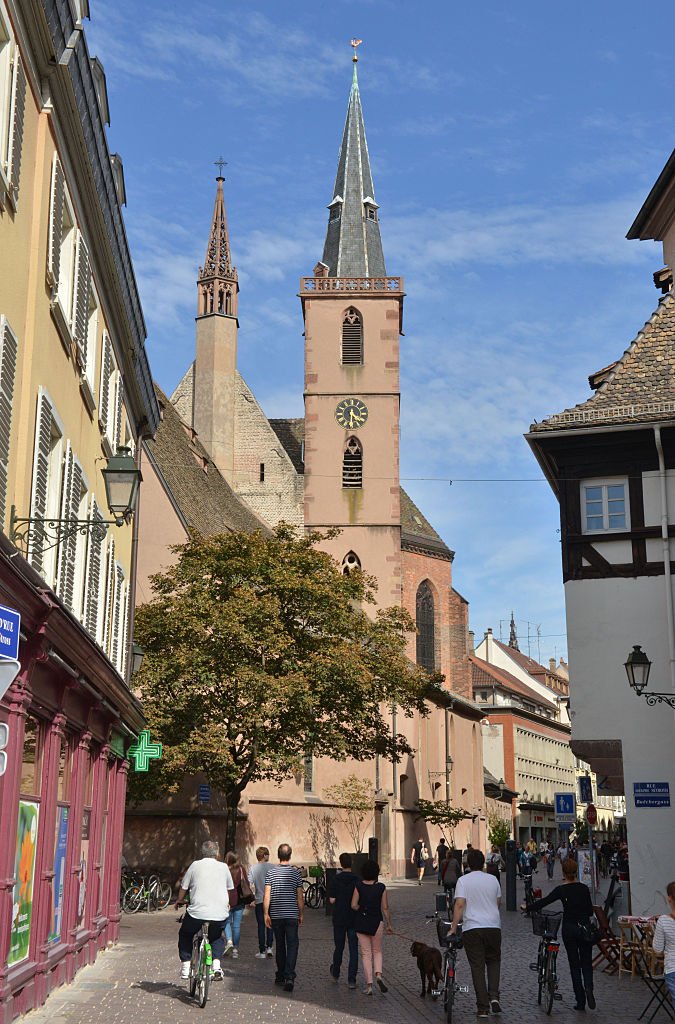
(75, 386)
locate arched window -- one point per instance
(352, 338)
(350, 562)
(426, 632)
(352, 464)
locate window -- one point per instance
(72, 550)
(93, 598)
(426, 627)
(604, 506)
(352, 338)
(371, 212)
(110, 398)
(8, 354)
(66, 283)
(261, 474)
(352, 464)
(47, 478)
(308, 773)
(13, 88)
(335, 210)
(91, 346)
(350, 562)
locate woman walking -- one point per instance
(577, 910)
(664, 940)
(372, 911)
(244, 893)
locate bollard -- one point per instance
(511, 874)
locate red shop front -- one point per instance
(70, 717)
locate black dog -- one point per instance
(429, 963)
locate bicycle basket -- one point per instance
(444, 937)
(545, 924)
(315, 871)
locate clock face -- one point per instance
(351, 413)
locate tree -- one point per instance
(443, 814)
(258, 653)
(354, 800)
(499, 830)
(581, 831)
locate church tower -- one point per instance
(215, 372)
(353, 313)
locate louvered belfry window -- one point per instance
(352, 464)
(352, 338)
(426, 627)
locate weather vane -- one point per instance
(220, 163)
(354, 43)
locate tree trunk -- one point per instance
(233, 797)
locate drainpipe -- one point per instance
(447, 755)
(665, 540)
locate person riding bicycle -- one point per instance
(211, 889)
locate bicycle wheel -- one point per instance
(165, 894)
(132, 900)
(153, 892)
(541, 968)
(551, 982)
(449, 991)
(203, 978)
(312, 896)
(194, 964)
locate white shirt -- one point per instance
(664, 941)
(482, 893)
(208, 881)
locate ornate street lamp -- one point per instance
(137, 655)
(637, 667)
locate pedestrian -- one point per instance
(478, 898)
(664, 940)
(577, 911)
(371, 907)
(442, 851)
(451, 872)
(419, 857)
(465, 858)
(550, 860)
(257, 877)
(494, 862)
(562, 853)
(211, 889)
(244, 896)
(340, 892)
(283, 908)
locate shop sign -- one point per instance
(143, 751)
(59, 874)
(10, 632)
(651, 794)
(24, 873)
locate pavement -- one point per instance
(136, 981)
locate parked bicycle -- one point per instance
(314, 891)
(155, 895)
(546, 926)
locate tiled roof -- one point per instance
(484, 674)
(641, 386)
(417, 531)
(291, 433)
(205, 500)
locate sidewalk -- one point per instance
(136, 982)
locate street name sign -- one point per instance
(10, 632)
(651, 794)
(565, 808)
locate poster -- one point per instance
(82, 874)
(24, 869)
(584, 862)
(59, 873)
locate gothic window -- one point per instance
(352, 338)
(352, 464)
(350, 562)
(425, 620)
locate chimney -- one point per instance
(552, 664)
(472, 642)
(488, 646)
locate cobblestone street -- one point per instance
(137, 981)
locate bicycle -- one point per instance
(451, 945)
(529, 894)
(315, 891)
(201, 961)
(546, 927)
(156, 895)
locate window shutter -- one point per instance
(352, 338)
(92, 593)
(56, 221)
(352, 464)
(117, 617)
(117, 425)
(38, 507)
(106, 370)
(16, 119)
(82, 286)
(8, 354)
(109, 601)
(70, 509)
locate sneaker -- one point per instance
(483, 1016)
(235, 953)
(368, 990)
(217, 974)
(380, 984)
(278, 981)
(590, 1000)
(260, 956)
(288, 986)
(351, 984)
(494, 1006)
(229, 946)
(268, 951)
(185, 969)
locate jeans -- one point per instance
(341, 933)
(287, 943)
(670, 982)
(484, 952)
(233, 925)
(580, 958)
(265, 935)
(550, 864)
(189, 928)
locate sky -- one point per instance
(511, 146)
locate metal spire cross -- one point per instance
(354, 43)
(220, 163)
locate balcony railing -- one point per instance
(351, 285)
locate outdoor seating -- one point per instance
(629, 942)
(609, 947)
(651, 972)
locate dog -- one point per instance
(429, 963)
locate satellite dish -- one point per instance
(9, 670)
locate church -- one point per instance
(217, 463)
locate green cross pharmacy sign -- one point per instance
(142, 752)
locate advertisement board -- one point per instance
(59, 874)
(24, 873)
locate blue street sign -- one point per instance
(585, 789)
(651, 794)
(10, 629)
(204, 794)
(565, 808)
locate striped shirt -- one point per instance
(664, 941)
(284, 881)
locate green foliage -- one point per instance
(354, 800)
(499, 830)
(581, 831)
(258, 653)
(443, 814)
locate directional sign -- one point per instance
(585, 789)
(4, 740)
(9, 670)
(10, 630)
(565, 808)
(143, 751)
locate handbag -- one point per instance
(590, 931)
(244, 891)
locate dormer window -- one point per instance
(335, 209)
(370, 208)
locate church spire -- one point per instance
(218, 283)
(513, 635)
(353, 246)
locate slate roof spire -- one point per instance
(513, 635)
(353, 246)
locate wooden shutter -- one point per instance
(117, 617)
(109, 600)
(82, 287)
(38, 505)
(106, 371)
(116, 438)
(92, 586)
(70, 509)
(16, 119)
(56, 221)
(8, 354)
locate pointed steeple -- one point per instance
(513, 635)
(218, 282)
(353, 246)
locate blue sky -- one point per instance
(511, 149)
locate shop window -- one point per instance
(31, 758)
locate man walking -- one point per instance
(340, 892)
(283, 907)
(478, 897)
(442, 851)
(258, 877)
